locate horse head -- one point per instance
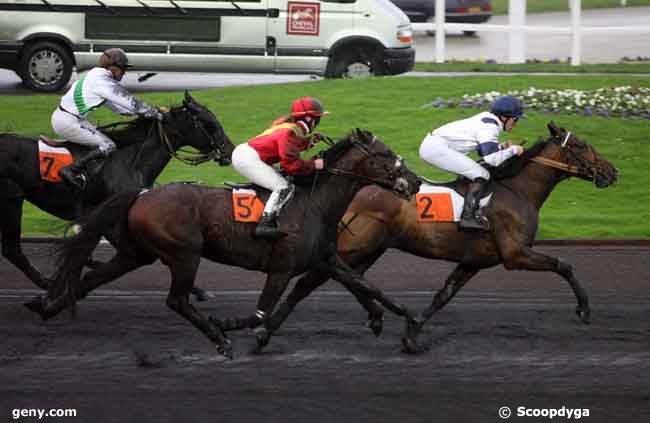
(363, 156)
(200, 129)
(583, 159)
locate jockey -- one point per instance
(447, 147)
(98, 87)
(281, 143)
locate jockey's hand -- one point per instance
(506, 144)
(519, 150)
(163, 109)
(319, 164)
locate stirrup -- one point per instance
(268, 232)
(268, 229)
(77, 180)
(476, 222)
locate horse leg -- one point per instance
(119, 265)
(305, 285)
(276, 284)
(356, 283)
(526, 258)
(183, 268)
(455, 281)
(11, 215)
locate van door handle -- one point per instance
(270, 46)
(272, 13)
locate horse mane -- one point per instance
(514, 165)
(129, 132)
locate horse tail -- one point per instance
(73, 254)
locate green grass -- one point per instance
(500, 7)
(533, 68)
(392, 109)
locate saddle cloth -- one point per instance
(441, 204)
(246, 205)
(52, 160)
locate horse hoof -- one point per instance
(409, 345)
(35, 305)
(584, 314)
(226, 349)
(376, 325)
(263, 337)
(200, 295)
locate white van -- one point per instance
(42, 40)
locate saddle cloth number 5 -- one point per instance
(247, 207)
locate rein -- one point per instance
(191, 158)
(557, 165)
(571, 169)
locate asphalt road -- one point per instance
(509, 339)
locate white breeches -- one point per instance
(80, 131)
(434, 150)
(247, 162)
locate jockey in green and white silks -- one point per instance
(100, 86)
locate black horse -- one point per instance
(180, 223)
(145, 148)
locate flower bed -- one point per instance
(622, 102)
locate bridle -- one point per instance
(575, 166)
(191, 157)
(400, 183)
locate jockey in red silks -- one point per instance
(281, 143)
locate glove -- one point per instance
(154, 113)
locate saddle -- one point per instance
(459, 185)
(52, 142)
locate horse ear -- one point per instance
(188, 98)
(553, 129)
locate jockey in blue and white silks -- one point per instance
(447, 148)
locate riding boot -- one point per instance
(75, 174)
(268, 226)
(472, 218)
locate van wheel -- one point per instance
(45, 66)
(357, 65)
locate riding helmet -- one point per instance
(508, 106)
(307, 106)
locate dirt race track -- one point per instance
(508, 339)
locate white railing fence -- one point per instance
(517, 30)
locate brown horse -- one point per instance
(180, 223)
(377, 220)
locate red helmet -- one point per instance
(307, 106)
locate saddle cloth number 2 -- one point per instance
(435, 207)
(247, 207)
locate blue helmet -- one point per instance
(508, 106)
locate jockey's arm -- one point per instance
(290, 160)
(127, 103)
(118, 109)
(489, 148)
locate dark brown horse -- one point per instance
(377, 220)
(145, 148)
(181, 223)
